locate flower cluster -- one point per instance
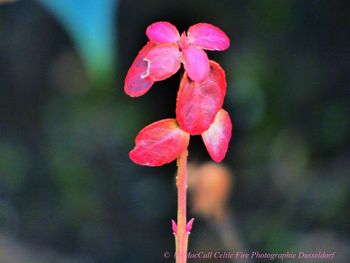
(200, 97)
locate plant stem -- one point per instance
(181, 237)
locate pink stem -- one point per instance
(181, 236)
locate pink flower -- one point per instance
(166, 50)
(199, 100)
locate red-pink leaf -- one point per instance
(209, 37)
(217, 137)
(159, 143)
(198, 102)
(162, 32)
(135, 83)
(196, 63)
(163, 61)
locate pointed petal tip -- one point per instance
(189, 226)
(174, 227)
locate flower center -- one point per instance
(184, 41)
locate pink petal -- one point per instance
(217, 137)
(162, 32)
(189, 226)
(159, 143)
(163, 61)
(135, 85)
(196, 63)
(198, 102)
(209, 37)
(174, 227)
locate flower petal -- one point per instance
(196, 63)
(217, 137)
(174, 227)
(198, 102)
(135, 84)
(162, 32)
(159, 143)
(208, 36)
(163, 61)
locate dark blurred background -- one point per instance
(68, 191)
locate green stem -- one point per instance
(181, 237)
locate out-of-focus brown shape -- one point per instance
(210, 185)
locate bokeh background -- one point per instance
(70, 194)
